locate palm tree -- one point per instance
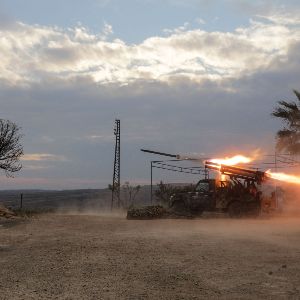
(288, 138)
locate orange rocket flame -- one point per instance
(284, 177)
(231, 161)
(240, 159)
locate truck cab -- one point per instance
(205, 186)
(202, 198)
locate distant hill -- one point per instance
(77, 200)
(89, 199)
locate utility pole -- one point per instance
(115, 199)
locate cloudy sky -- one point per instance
(184, 76)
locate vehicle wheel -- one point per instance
(178, 206)
(253, 209)
(197, 211)
(236, 209)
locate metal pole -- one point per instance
(119, 158)
(115, 199)
(21, 202)
(151, 181)
(275, 158)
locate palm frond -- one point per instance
(297, 94)
(285, 133)
(292, 106)
(288, 138)
(293, 148)
(281, 113)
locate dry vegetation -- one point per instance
(109, 257)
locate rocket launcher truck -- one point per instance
(239, 194)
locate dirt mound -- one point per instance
(6, 213)
(147, 212)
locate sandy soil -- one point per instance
(103, 257)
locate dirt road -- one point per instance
(102, 257)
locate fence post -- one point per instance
(21, 201)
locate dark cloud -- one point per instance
(73, 117)
(61, 55)
(181, 117)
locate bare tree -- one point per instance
(165, 191)
(10, 148)
(130, 193)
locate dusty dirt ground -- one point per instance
(103, 257)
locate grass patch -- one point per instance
(29, 213)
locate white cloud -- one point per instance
(96, 137)
(33, 53)
(35, 167)
(181, 117)
(283, 19)
(107, 30)
(42, 157)
(177, 30)
(47, 139)
(200, 21)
